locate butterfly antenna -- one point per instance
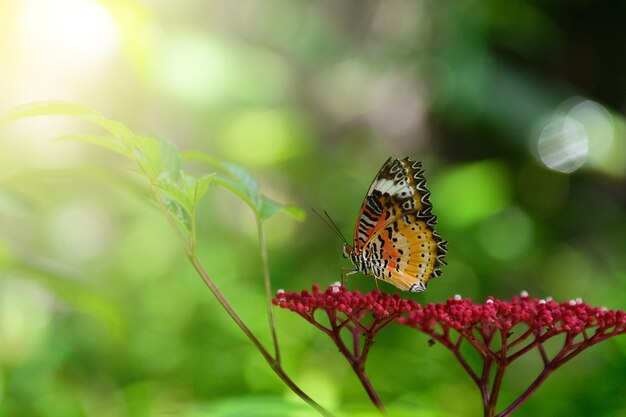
(331, 224)
(336, 228)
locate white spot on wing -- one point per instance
(391, 187)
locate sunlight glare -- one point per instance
(67, 33)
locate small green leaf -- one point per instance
(170, 158)
(181, 200)
(175, 193)
(46, 108)
(270, 207)
(295, 212)
(108, 142)
(155, 157)
(181, 214)
(149, 155)
(233, 186)
(201, 186)
(238, 180)
(246, 183)
(115, 128)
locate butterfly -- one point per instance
(394, 238)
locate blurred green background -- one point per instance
(516, 109)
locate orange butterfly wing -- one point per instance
(395, 228)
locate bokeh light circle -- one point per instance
(563, 144)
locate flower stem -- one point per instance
(483, 385)
(356, 359)
(501, 366)
(495, 390)
(268, 287)
(369, 388)
(272, 362)
(524, 396)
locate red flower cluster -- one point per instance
(572, 317)
(500, 331)
(358, 315)
(353, 304)
(518, 327)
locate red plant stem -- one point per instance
(520, 339)
(500, 370)
(272, 362)
(538, 339)
(369, 388)
(455, 349)
(484, 384)
(355, 345)
(561, 358)
(524, 396)
(357, 361)
(369, 341)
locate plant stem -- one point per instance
(173, 224)
(484, 384)
(369, 388)
(359, 368)
(501, 366)
(564, 355)
(495, 389)
(356, 360)
(524, 396)
(268, 287)
(457, 353)
(272, 362)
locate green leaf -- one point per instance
(170, 158)
(200, 187)
(177, 194)
(148, 156)
(46, 108)
(181, 214)
(270, 207)
(294, 211)
(181, 200)
(246, 185)
(238, 180)
(108, 142)
(156, 157)
(233, 186)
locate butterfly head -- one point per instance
(347, 250)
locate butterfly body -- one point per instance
(394, 238)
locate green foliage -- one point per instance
(155, 157)
(160, 162)
(242, 183)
